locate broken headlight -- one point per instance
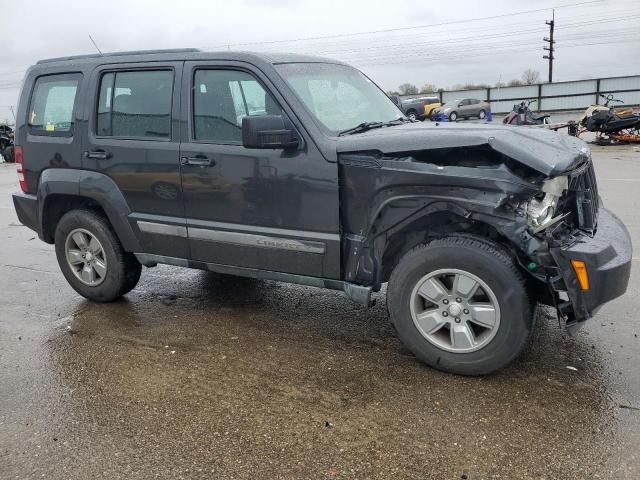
(541, 209)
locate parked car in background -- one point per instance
(417, 108)
(431, 105)
(462, 108)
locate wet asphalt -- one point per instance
(194, 375)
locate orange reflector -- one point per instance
(581, 273)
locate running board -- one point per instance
(357, 293)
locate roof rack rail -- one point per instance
(119, 54)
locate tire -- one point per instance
(482, 114)
(412, 115)
(453, 116)
(122, 269)
(8, 154)
(492, 266)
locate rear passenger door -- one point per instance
(134, 139)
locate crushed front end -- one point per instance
(587, 259)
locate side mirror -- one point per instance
(268, 132)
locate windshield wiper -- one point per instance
(364, 126)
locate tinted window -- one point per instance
(135, 104)
(221, 98)
(52, 105)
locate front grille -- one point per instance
(584, 200)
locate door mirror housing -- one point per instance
(268, 132)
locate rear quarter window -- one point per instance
(52, 105)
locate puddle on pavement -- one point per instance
(298, 381)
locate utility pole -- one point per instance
(551, 43)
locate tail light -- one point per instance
(17, 151)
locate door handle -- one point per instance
(98, 155)
(197, 161)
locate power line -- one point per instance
(399, 29)
(416, 47)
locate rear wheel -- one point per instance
(92, 259)
(460, 305)
(453, 116)
(482, 115)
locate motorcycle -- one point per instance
(611, 124)
(6, 143)
(521, 114)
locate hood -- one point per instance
(543, 150)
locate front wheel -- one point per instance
(460, 305)
(453, 116)
(411, 115)
(92, 259)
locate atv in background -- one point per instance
(6, 143)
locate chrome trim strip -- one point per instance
(206, 224)
(260, 241)
(162, 229)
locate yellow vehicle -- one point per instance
(430, 107)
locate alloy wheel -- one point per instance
(455, 310)
(85, 256)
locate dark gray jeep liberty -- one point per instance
(300, 169)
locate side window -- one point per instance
(135, 104)
(221, 99)
(52, 105)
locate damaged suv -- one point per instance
(300, 169)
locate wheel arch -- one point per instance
(437, 224)
(370, 259)
(62, 190)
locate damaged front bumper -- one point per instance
(607, 256)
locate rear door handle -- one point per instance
(197, 161)
(98, 155)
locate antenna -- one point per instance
(95, 44)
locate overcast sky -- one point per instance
(600, 38)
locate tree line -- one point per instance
(529, 77)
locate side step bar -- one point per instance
(357, 293)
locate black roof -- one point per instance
(185, 54)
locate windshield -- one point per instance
(452, 103)
(338, 96)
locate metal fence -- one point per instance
(573, 95)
